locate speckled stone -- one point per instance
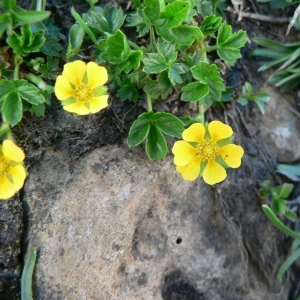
(115, 225)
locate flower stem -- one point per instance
(200, 117)
(149, 102)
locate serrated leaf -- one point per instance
(38, 110)
(168, 124)
(139, 129)
(156, 145)
(128, 92)
(155, 63)
(117, 47)
(185, 34)
(205, 72)
(229, 54)
(228, 44)
(6, 86)
(12, 108)
(160, 88)
(153, 8)
(175, 72)
(108, 20)
(194, 91)
(167, 50)
(175, 13)
(30, 93)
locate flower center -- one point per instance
(208, 150)
(83, 93)
(4, 166)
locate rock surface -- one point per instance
(114, 225)
(279, 128)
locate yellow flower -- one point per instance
(12, 171)
(206, 151)
(80, 87)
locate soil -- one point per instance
(75, 136)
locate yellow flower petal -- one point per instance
(219, 131)
(98, 103)
(7, 189)
(191, 170)
(97, 75)
(232, 155)
(12, 152)
(62, 88)
(78, 108)
(18, 174)
(74, 72)
(183, 152)
(213, 172)
(195, 133)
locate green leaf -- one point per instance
(167, 50)
(26, 42)
(117, 47)
(128, 92)
(175, 13)
(107, 20)
(29, 92)
(205, 72)
(154, 63)
(153, 8)
(38, 110)
(194, 91)
(6, 86)
(185, 34)
(228, 44)
(139, 129)
(290, 169)
(133, 61)
(12, 108)
(29, 17)
(76, 36)
(210, 24)
(168, 124)
(156, 145)
(160, 88)
(175, 72)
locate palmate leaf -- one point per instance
(175, 13)
(107, 20)
(228, 44)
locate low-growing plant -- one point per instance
(176, 58)
(280, 207)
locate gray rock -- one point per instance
(279, 127)
(114, 225)
(11, 229)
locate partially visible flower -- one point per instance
(80, 87)
(206, 151)
(12, 171)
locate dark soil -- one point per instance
(76, 135)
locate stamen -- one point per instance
(83, 93)
(4, 166)
(208, 150)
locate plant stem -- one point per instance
(17, 60)
(79, 20)
(200, 117)
(149, 102)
